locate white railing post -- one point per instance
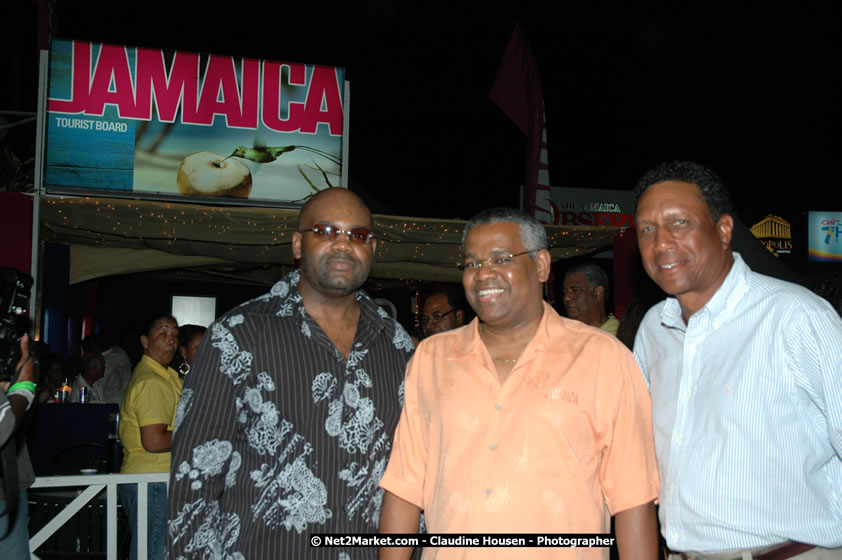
(111, 522)
(94, 484)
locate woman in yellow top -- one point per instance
(146, 423)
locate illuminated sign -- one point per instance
(775, 233)
(591, 207)
(180, 123)
(825, 236)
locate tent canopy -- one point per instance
(109, 236)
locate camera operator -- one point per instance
(15, 400)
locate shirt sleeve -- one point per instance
(204, 463)
(629, 471)
(815, 348)
(640, 348)
(405, 473)
(7, 419)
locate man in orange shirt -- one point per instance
(521, 421)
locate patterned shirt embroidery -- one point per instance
(277, 436)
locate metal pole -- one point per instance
(38, 188)
(346, 120)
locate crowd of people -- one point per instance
(311, 410)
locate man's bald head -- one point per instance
(337, 255)
(312, 209)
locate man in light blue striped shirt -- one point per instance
(745, 373)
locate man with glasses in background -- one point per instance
(286, 419)
(523, 421)
(443, 311)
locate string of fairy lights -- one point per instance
(263, 235)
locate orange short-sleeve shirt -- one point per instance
(568, 433)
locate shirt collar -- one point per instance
(723, 301)
(371, 320)
(163, 371)
(471, 345)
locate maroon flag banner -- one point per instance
(517, 91)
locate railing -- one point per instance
(94, 485)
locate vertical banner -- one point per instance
(135, 120)
(825, 236)
(517, 91)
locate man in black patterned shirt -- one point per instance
(285, 423)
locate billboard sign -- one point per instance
(775, 233)
(591, 207)
(825, 236)
(136, 120)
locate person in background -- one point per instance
(745, 373)
(584, 294)
(15, 400)
(444, 309)
(91, 371)
(118, 367)
(189, 339)
(146, 424)
(52, 377)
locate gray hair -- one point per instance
(532, 232)
(594, 273)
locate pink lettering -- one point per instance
(238, 99)
(324, 91)
(168, 92)
(111, 66)
(221, 81)
(272, 96)
(80, 73)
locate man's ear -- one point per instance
(543, 263)
(460, 317)
(296, 244)
(144, 341)
(600, 293)
(725, 229)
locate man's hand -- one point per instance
(25, 366)
(637, 533)
(398, 516)
(26, 371)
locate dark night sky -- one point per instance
(754, 91)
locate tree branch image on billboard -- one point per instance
(154, 121)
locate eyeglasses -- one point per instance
(500, 260)
(360, 236)
(435, 317)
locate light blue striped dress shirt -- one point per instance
(747, 414)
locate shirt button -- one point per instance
(680, 440)
(492, 447)
(498, 406)
(687, 394)
(675, 535)
(488, 490)
(671, 487)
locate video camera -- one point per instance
(15, 287)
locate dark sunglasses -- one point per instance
(360, 236)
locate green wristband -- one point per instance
(26, 385)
